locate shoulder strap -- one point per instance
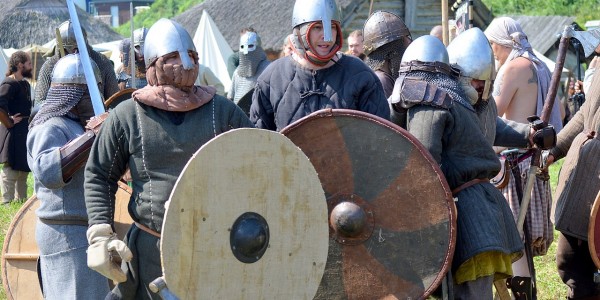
(416, 91)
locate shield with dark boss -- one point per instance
(594, 232)
(392, 219)
(247, 219)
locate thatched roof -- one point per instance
(272, 19)
(35, 22)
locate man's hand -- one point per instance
(16, 118)
(104, 244)
(542, 134)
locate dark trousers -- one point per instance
(576, 267)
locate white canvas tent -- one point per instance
(3, 64)
(213, 49)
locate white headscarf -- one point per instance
(507, 32)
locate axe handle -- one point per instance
(560, 62)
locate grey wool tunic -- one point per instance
(156, 144)
(286, 91)
(579, 178)
(453, 136)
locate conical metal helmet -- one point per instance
(167, 36)
(472, 52)
(139, 36)
(67, 36)
(426, 48)
(69, 70)
(383, 27)
(325, 11)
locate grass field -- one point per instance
(550, 286)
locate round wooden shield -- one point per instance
(594, 232)
(247, 219)
(20, 251)
(118, 97)
(392, 217)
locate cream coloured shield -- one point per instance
(247, 219)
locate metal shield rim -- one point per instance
(451, 208)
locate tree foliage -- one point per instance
(159, 9)
(582, 10)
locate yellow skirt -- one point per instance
(485, 264)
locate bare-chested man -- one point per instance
(520, 91)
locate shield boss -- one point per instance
(247, 219)
(391, 214)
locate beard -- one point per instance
(27, 73)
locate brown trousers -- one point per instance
(576, 267)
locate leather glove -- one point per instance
(103, 245)
(543, 134)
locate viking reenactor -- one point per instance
(316, 75)
(62, 217)
(155, 134)
(139, 35)
(471, 53)
(124, 52)
(578, 184)
(518, 96)
(446, 124)
(15, 109)
(386, 38)
(253, 61)
(109, 79)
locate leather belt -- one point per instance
(64, 222)
(147, 230)
(468, 184)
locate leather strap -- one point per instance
(147, 230)
(435, 67)
(468, 184)
(64, 222)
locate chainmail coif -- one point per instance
(446, 83)
(392, 52)
(249, 62)
(59, 102)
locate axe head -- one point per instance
(589, 40)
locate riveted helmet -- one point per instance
(139, 36)
(381, 28)
(167, 36)
(69, 70)
(67, 35)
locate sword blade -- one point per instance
(90, 79)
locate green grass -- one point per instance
(550, 287)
